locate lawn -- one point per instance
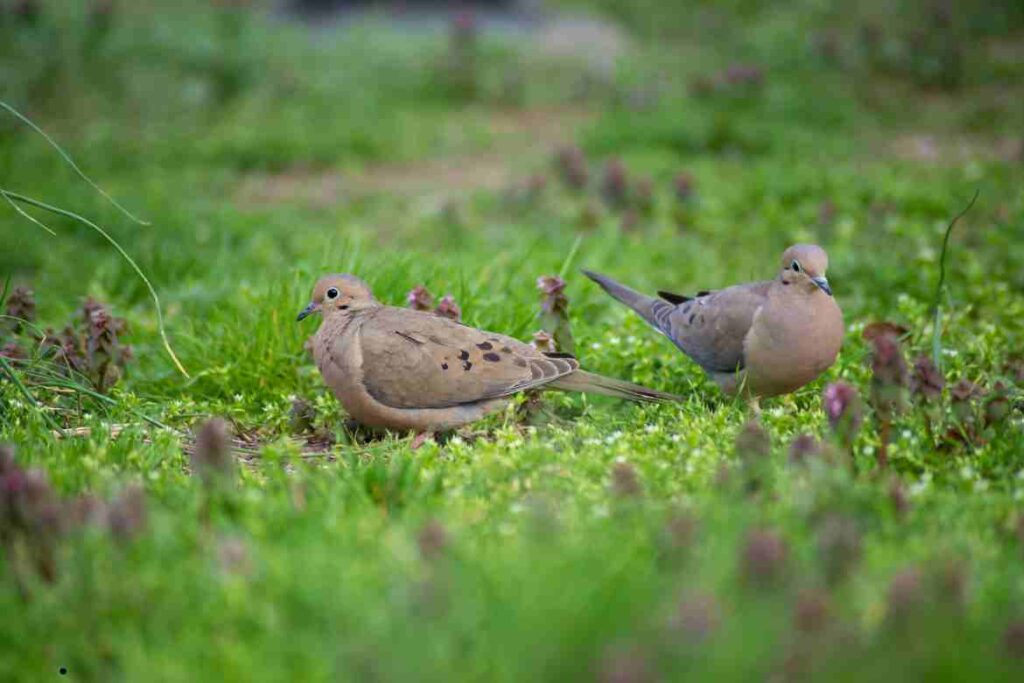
(567, 538)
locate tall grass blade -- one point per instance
(152, 292)
(937, 306)
(67, 157)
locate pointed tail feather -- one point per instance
(599, 384)
(654, 311)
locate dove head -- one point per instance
(805, 265)
(334, 294)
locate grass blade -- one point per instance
(937, 306)
(67, 157)
(85, 221)
(9, 371)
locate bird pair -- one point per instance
(401, 369)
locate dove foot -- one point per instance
(419, 440)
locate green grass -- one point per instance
(320, 564)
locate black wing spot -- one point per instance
(466, 365)
(464, 355)
(686, 308)
(406, 337)
(485, 346)
(444, 366)
(692, 316)
(673, 298)
(492, 357)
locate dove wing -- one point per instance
(413, 359)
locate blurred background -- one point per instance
(254, 132)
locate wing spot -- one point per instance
(692, 316)
(444, 366)
(466, 365)
(492, 357)
(463, 355)
(505, 349)
(409, 338)
(485, 346)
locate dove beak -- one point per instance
(822, 284)
(307, 311)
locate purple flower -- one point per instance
(432, 540)
(625, 665)
(888, 375)
(1013, 639)
(839, 546)
(905, 593)
(643, 193)
(843, 409)
(554, 311)
(448, 308)
(683, 185)
(697, 617)
(803, 448)
(615, 184)
(301, 416)
(625, 481)
(212, 456)
(963, 395)
(926, 382)
(899, 498)
(748, 75)
(126, 514)
(571, 165)
(826, 212)
(753, 442)
(997, 405)
(419, 299)
(764, 557)
(812, 611)
(21, 304)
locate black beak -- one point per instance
(822, 284)
(306, 312)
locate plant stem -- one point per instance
(936, 307)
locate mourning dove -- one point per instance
(402, 369)
(761, 338)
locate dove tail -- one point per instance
(599, 384)
(654, 311)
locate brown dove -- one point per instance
(402, 369)
(761, 338)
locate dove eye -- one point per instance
(796, 266)
(332, 293)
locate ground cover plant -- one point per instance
(223, 519)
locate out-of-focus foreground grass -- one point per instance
(681, 146)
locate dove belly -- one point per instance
(790, 346)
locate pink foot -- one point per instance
(419, 440)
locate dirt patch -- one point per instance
(520, 140)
